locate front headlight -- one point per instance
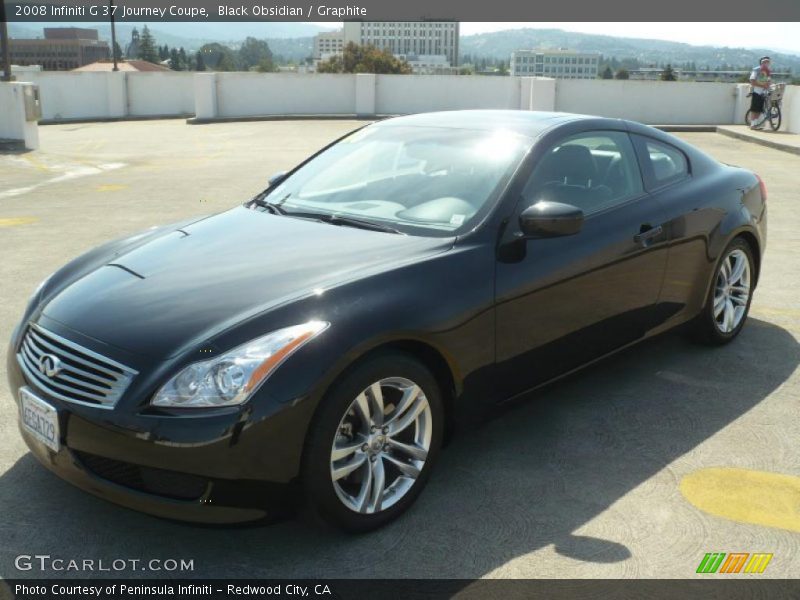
(231, 378)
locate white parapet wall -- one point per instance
(67, 95)
(71, 95)
(86, 95)
(232, 95)
(153, 94)
(791, 109)
(652, 102)
(14, 124)
(257, 94)
(403, 94)
(366, 84)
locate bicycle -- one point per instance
(772, 107)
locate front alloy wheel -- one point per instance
(373, 442)
(382, 445)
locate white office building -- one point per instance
(429, 64)
(558, 64)
(429, 46)
(328, 43)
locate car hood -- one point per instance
(188, 284)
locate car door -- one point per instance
(563, 301)
(690, 212)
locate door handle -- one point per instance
(644, 237)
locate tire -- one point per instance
(760, 117)
(731, 291)
(775, 117)
(344, 458)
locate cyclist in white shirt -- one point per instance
(760, 78)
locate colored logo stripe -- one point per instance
(735, 562)
(711, 562)
(758, 562)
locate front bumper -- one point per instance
(204, 509)
(226, 468)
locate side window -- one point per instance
(592, 170)
(667, 163)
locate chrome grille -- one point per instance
(82, 376)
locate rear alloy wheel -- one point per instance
(376, 437)
(729, 299)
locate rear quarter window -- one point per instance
(664, 164)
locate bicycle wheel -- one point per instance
(747, 117)
(775, 117)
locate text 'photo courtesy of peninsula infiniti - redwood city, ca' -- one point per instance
(321, 341)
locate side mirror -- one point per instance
(550, 219)
(277, 178)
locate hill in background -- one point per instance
(294, 41)
(500, 45)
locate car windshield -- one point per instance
(418, 180)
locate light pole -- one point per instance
(5, 46)
(113, 35)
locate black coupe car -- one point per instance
(324, 337)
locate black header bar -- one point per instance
(137, 11)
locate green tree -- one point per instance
(668, 74)
(607, 73)
(622, 74)
(364, 59)
(266, 66)
(175, 62)
(255, 53)
(217, 57)
(199, 64)
(147, 47)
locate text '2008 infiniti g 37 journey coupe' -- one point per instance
(324, 337)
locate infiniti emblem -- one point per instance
(49, 365)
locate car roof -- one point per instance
(524, 122)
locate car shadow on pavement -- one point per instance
(530, 478)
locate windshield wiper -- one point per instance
(335, 219)
(275, 209)
(372, 226)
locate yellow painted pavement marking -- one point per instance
(35, 162)
(14, 221)
(72, 173)
(745, 496)
(111, 187)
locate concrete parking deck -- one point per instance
(778, 140)
(636, 467)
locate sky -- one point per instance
(777, 36)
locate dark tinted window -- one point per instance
(667, 162)
(593, 171)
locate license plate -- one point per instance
(39, 418)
